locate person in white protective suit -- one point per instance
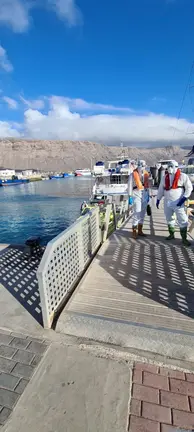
(138, 188)
(176, 188)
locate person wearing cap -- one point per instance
(176, 188)
(138, 186)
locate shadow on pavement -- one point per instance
(18, 276)
(155, 268)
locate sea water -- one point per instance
(43, 208)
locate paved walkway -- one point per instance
(137, 293)
(19, 357)
(162, 399)
(90, 388)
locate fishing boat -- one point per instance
(112, 180)
(13, 182)
(68, 174)
(83, 172)
(56, 177)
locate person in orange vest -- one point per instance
(140, 191)
(176, 188)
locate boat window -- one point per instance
(118, 179)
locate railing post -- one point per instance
(106, 222)
(44, 301)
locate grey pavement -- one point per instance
(74, 390)
(137, 294)
(19, 357)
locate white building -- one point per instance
(5, 173)
(27, 173)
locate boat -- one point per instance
(13, 182)
(112, 180)
(83, 172)
(68, 174)
(99, 168)
(56, 177)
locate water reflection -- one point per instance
(41, 208)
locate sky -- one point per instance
(108, 71)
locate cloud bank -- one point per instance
(59, 120)
(16, 14)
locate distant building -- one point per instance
(27, 173)
(5, 172)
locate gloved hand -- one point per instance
(157, 203)
(130, 200)
(181, 201)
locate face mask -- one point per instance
(170, 170)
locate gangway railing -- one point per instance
(67, 256)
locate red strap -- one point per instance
(175, 181)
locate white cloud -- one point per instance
(34, 103)
(8, 130)
(12, 103)
(4, 61)
(16, 13)
(61, 123)
(67, 10)
(81, 105)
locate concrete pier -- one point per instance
(137, 294)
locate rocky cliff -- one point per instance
(69, 155)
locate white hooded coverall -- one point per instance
(140, 202)
(172, 197)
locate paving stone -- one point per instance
(137, 376)
(174, 400)
(183, 419)
(8, 398)
(190, 377)
(8, 381)
(7, 351)
(135, 407)
(19, 343)
(23, 356)
(5, 339)
(37, 348)
(147, 367)
(172, 373)
(21, 386)
(36, 360)
(17, 335)
(182, 387)
(146, 394)
(167, 428)
(4, 414)
(6, 365)
(23, 371)
(4, 331)
(138, 424)
(156, 381)
(33, 339)
(156, 412)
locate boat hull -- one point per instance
(13, 182)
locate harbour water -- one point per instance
(42, 208)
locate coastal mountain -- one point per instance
(68, 155)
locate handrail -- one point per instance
(67, 256)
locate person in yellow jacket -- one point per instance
(139, 188)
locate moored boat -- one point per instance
(83, 172)
(13, 182)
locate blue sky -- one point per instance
(112, 70)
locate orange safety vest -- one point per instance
(137, 180)
(146, 180)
